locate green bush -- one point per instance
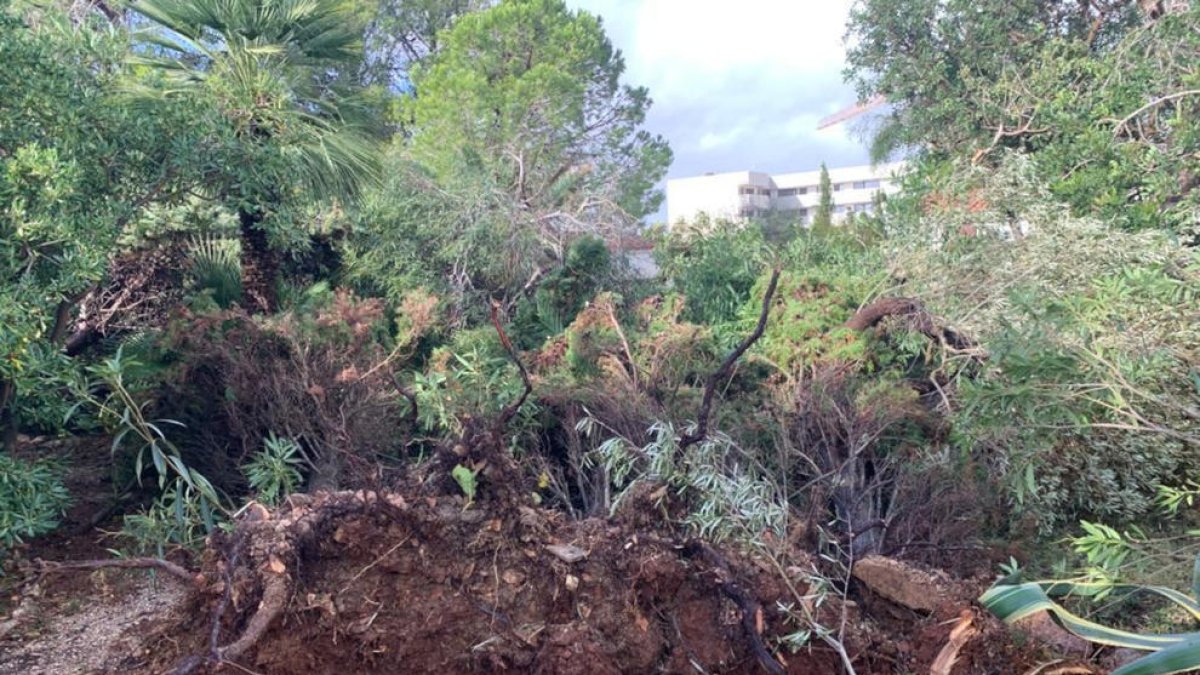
(275, 471)
(714, 267)
(32, 499)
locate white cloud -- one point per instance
(711, 140)
(738, 85)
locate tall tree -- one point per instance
(1102, 93)
(927, 57)
(823, 218)
(274, 69)
(527, 96)
(402, 33)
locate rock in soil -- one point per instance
(901, 583)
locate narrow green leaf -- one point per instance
(1179, 658)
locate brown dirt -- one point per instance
(448, 590)
(441, 588)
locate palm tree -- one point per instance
(273, 69)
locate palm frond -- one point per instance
(216, 267)
(268, 61)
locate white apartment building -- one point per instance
(748, 194)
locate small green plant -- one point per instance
(216, 267)
(1171, 499)
(180, 518)
(108, 391)
(32, 498)
(275, 471)
(468, 481)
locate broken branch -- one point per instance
(710, 386)
(177, 571)
(511, 410)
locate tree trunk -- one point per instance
(260, 265)
(8, 421)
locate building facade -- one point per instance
(741, 195)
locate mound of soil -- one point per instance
(432, 586)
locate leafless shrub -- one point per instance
(849, 443)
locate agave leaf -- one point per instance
(1012, 603)
(1098, 590)
(1181, 657)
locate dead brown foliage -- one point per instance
(323, 379)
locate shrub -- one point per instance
(713, 266)
(1087, 401)
(321, 374)
(32, 499)
(179, 519)
(274, 472)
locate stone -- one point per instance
(901, 583)
(1041, 628)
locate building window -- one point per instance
(750, 190)
(866, 184)
(837, 187)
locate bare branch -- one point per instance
(177, 571)
(710, 387)
(511, 410)
(1153, 104)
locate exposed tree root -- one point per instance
(919, 318)
(749, 607)
(272, 548)
(177, 571)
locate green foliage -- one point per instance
(468, 481)
(559, 298)
(471, 377)
(806, 323)
(730, 500)
(823, 217)
(217, 268)
(1104, 101)
(180, 518)
(274, 472)
(41, 402)
(521, 141)
(1088, 387)
(713, 267)
(560, 127)
(126, 416)
(402, 33)
(79, 162)
(32, 499)
(264, 64)
(938, 63)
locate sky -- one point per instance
(738, 85)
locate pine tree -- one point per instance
(824, 215)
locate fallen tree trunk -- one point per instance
(913, 311)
